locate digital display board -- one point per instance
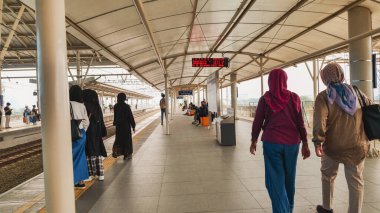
(185, 92)
(210, 62)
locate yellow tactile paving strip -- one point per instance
(107, 163)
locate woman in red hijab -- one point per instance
(279, 115)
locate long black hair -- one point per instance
(76, 93)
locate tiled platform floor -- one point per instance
(187, 171)
(29, 196)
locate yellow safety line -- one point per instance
(107, 163)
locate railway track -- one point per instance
(24, 151)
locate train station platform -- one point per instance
(188, 171)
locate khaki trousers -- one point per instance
(355, 182)
(7, 120)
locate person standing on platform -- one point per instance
(8, 113)
(26, 114)
(79, 113)
(95, 148)
(36, 114)
(124, 121)
(279, 115)
(163, 108)
(339, 137)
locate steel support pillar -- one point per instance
(221, 98)
(166, 101)
(54, 96)
(171, 105)
(218, 111)
(204, 92)
(359, 22)
(79, 70)
(175, 101)
(315, 79)
(233, 78)
(261, 75)
(199, 96)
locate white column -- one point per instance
(217, 94)
(166, 101)
(204, 92)
(171, 105)
(175, 100)
(199, 95)
(233, 92)
(53, 87)
(221, 98)
(359, 21)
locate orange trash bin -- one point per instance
(205, 121)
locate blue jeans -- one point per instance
(280, 175)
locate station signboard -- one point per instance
(185, 92)
(180, 97)
(210, 62)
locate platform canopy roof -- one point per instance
(109, 90)
(152, 38)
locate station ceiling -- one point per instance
(151, 38)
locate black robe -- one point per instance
(96, 130)
(124, 121)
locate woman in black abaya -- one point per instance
(124, 122)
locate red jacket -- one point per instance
(284, 127)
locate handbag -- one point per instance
(76, 133)
(370, 116)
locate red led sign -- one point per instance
(210, 62)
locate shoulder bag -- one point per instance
(370, 116)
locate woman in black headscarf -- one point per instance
(124, 121)
(94, 145)
(79, 113)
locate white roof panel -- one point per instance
(278, 29)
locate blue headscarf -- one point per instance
(342, 94)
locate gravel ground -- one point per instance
(20, 172)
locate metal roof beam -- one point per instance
(33, 48)
(100, 45)
(337, 13)
(232, 24)
(275, 23)
(325, 51)
(189, 36)
(146, 25)
(328, 18)
(204, 52)
(270, 27)
(22, 8)
(10, 36)
(171, 79)
(235, 20)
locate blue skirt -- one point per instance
(79, 159)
